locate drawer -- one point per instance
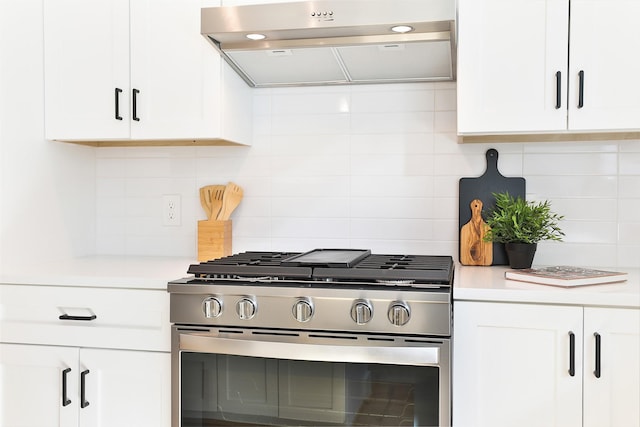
(136, 319)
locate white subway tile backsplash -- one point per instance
(629, 211)
(390, 208)
(604, 186)
(311, 103)
(392, 229)
(309, 146)
(571, 164)
(393, 101)
(310, 207)
(590, 231)
(311, 124)
(110, 168)
(322, 186)
(111, 187)
(445, 121)
(629, 186)
(628, 255)
(396, 164)
(406, 144)
(630, 164)
(572, 147)
(392, 122)
(324, 228)
(368, 166)
(446, 100)
(385, 187)
(586, 209)
(627, 232)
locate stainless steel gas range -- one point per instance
(326, 337)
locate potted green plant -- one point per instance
(520, 225)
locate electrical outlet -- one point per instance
(171, 210)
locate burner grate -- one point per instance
(420, 269)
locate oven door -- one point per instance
(262, 377)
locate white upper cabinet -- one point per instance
(86, 61)
(605, 41)
(520, 62)
(137, 70)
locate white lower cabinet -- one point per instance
(48, 386)
(84, 357)
(533, 365)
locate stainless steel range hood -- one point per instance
(336, 41)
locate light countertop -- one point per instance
(140, 272)
(471, 283)
(476, 283)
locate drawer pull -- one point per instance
(572, 354)
(85, 318)
(135, 105)
(83, 398)
(558, 90)
(581, 89)
(65, 399)
(597, 372)
(118, 92)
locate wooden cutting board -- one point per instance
(473, 249)
(482, 188)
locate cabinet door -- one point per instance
(511, 365)
(611, 400)
(176, 71)
(509, 52)
(31, 386)
(125, 388)
(86, 57)
(608, 58)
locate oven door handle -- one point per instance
(346, 353)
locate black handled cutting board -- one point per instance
(483, 187)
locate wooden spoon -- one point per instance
(230, 200)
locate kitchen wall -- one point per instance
(364, 166)
(369, 167)
(47, 189)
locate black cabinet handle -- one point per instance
(83, 389)
(572, 354)
(118, 92)
(558, 89)
(135, 105)
(65, 399)
(597, 372)
(581, 89)
(85, 318)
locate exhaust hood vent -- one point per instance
(336, 41)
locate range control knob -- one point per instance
(361, 311)
(212, 307)
(303, 310)
(399, 313)
(246, 308)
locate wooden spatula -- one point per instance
(230, 200)
(473, 249)
(216, 194)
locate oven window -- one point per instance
(220, 390)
